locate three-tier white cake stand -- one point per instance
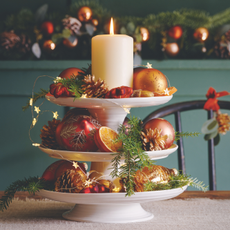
(108, 207)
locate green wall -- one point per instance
(19, 159)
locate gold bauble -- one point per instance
(201, 34)
(95, 22)
(149, 79)
(144, 34)
(172, 49)
(49, 45)
(67, 43)
(84, 14)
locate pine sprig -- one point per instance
(32, 185)
(132, 152)
(176, 182)
(36, 96)
(178, 135)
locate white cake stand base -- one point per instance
(108, 213)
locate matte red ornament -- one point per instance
(175, 32)
(165, 127)
(49, 173)
(77, 133)
(47, 28)
(120, 92)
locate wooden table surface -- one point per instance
(184, 195)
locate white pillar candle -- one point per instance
(112, 59)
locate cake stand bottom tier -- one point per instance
(108, 213)
(110, 207)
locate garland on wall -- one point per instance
(46, 35)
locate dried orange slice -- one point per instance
(172, 90)
(104, 139)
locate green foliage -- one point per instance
(176, 182)
(32, 185)
(185, 134)
(36, 96)
(132, 152)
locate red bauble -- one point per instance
(47, 28)
(76, 133)
(49, 173)
(175, 32)
(165, 126)
(97, 188)
(70, 72)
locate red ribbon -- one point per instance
(212, 102)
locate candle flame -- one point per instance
(111, 27)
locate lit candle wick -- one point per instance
(111, 27)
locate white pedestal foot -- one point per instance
(108, 213)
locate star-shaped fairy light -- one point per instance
(75, 165)
(36, 109)
(55, 115)
(166, 91)
(149, 65)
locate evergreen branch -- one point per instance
(36, 96)
(32, 185)
(178, 135)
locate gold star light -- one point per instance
(36, 109)
(149, 65)
(55, 115)
(166, 91)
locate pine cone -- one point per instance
(9, 40)
(155, 173)
(24, 45)
(224, 122)
(72, 181)
(73, 24)
(48, 134)
(152, 140)
(94, 88)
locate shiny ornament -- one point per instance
(175, 32)
(77, 133)
(95, 22)
(70, 44)
(50, 172)
(49, 45)
(201, 34)
(155, 174)
(70, 72)
(84, 14)
(164, 127)
(47, 28)
(149, 79)
(144, 34)
(172, 49)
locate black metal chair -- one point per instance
(176, 109)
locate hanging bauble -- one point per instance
(76, 133)
(70, 43)
(95, 22)
(70, 72)
(201, 34)
(175, 32)
(49, 45)
(47, 28)
(144, 34)
(172, 49)
(164, 128)
(149, 79)
(84, 14)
